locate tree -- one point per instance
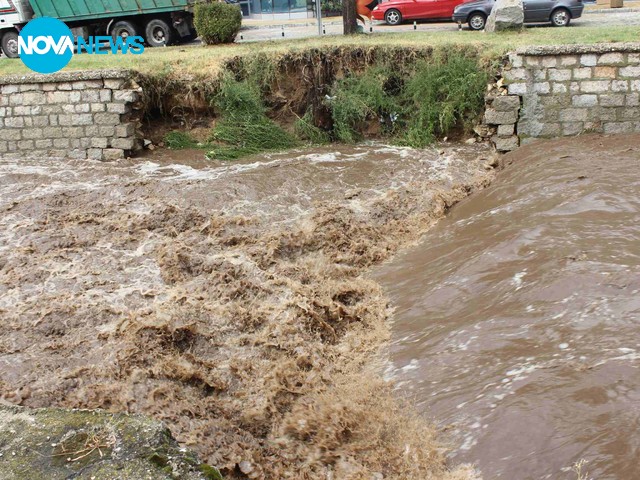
(349, 19)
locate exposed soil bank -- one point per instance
(228, 301)
(516, 321)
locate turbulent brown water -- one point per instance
(517, 318)
(229, 301)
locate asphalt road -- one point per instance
(275, 31)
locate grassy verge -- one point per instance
(196, 61)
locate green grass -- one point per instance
(201, 61)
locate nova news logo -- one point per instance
(46, 45)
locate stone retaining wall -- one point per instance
(76, 115)
(566, 90)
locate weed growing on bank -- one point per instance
(244, 128)
(413, 107)
(177, 140)
(405, 97)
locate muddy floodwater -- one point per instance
(229, 300)
(517, 322)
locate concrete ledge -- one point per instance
(76, 76)
(542, 50)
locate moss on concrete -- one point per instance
(82, 444)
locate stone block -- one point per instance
(107, 119)
(58, 97)
(99, 142)
(26, 145)
(573, 115)
(105, 96)
(620, 86)
(618, 127)
(572, 128)
(515, 74)
(91, 96)
(34, 98)
(613, 58)
(584, 100)
(97, 107)
(16, 99)
(506, 144)
(568, 60)
(605, 72)
(9, 89)
(77, 154)
(73, 132)
(559, 88)
(32, 133)
(506, 130)
(125, 130)
(635, 85)
(128, 96)
(560, 75)
(106, 130)
(123, 143)
(506, 103)
(628, 113)
(494, 117)
(94, 154)
(516, 60)
(588, 60)
(532, 61)
(612, 100)
(44, 143)
(582, 73)
(114, 83)
(120, 108)
(111, 154)
(14, 122)
(631, 71)
(540, 75)
(517, 88)
(52, 132)
(632, 100)
(595, 86)
(550, 61)
(633, 58)
(10, 134)
(541, 87)
(83, 108)
(61, 142)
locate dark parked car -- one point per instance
(558, 12)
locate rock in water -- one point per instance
(505, 15)
(57, 444)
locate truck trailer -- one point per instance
(159, 22)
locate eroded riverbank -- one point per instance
(226, 300)
(516, 321)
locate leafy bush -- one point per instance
(244, 128)
(306, 130)
(331, 6)
(217, 22)
(357, 99)
(413, 106)
(441, 95)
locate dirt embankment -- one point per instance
(199, 300)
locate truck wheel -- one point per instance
(159, 33)
(124, 29)
(10, 44)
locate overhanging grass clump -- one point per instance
(177, 140)
(414, 105)
(244, 128)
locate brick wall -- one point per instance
(77, 115)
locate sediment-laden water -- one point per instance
(517, 321)
(228, 300)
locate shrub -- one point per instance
(244, 128)
(414, 107)
(442, 94)
(360, 98)
(217, 22)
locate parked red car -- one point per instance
(395, 12)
